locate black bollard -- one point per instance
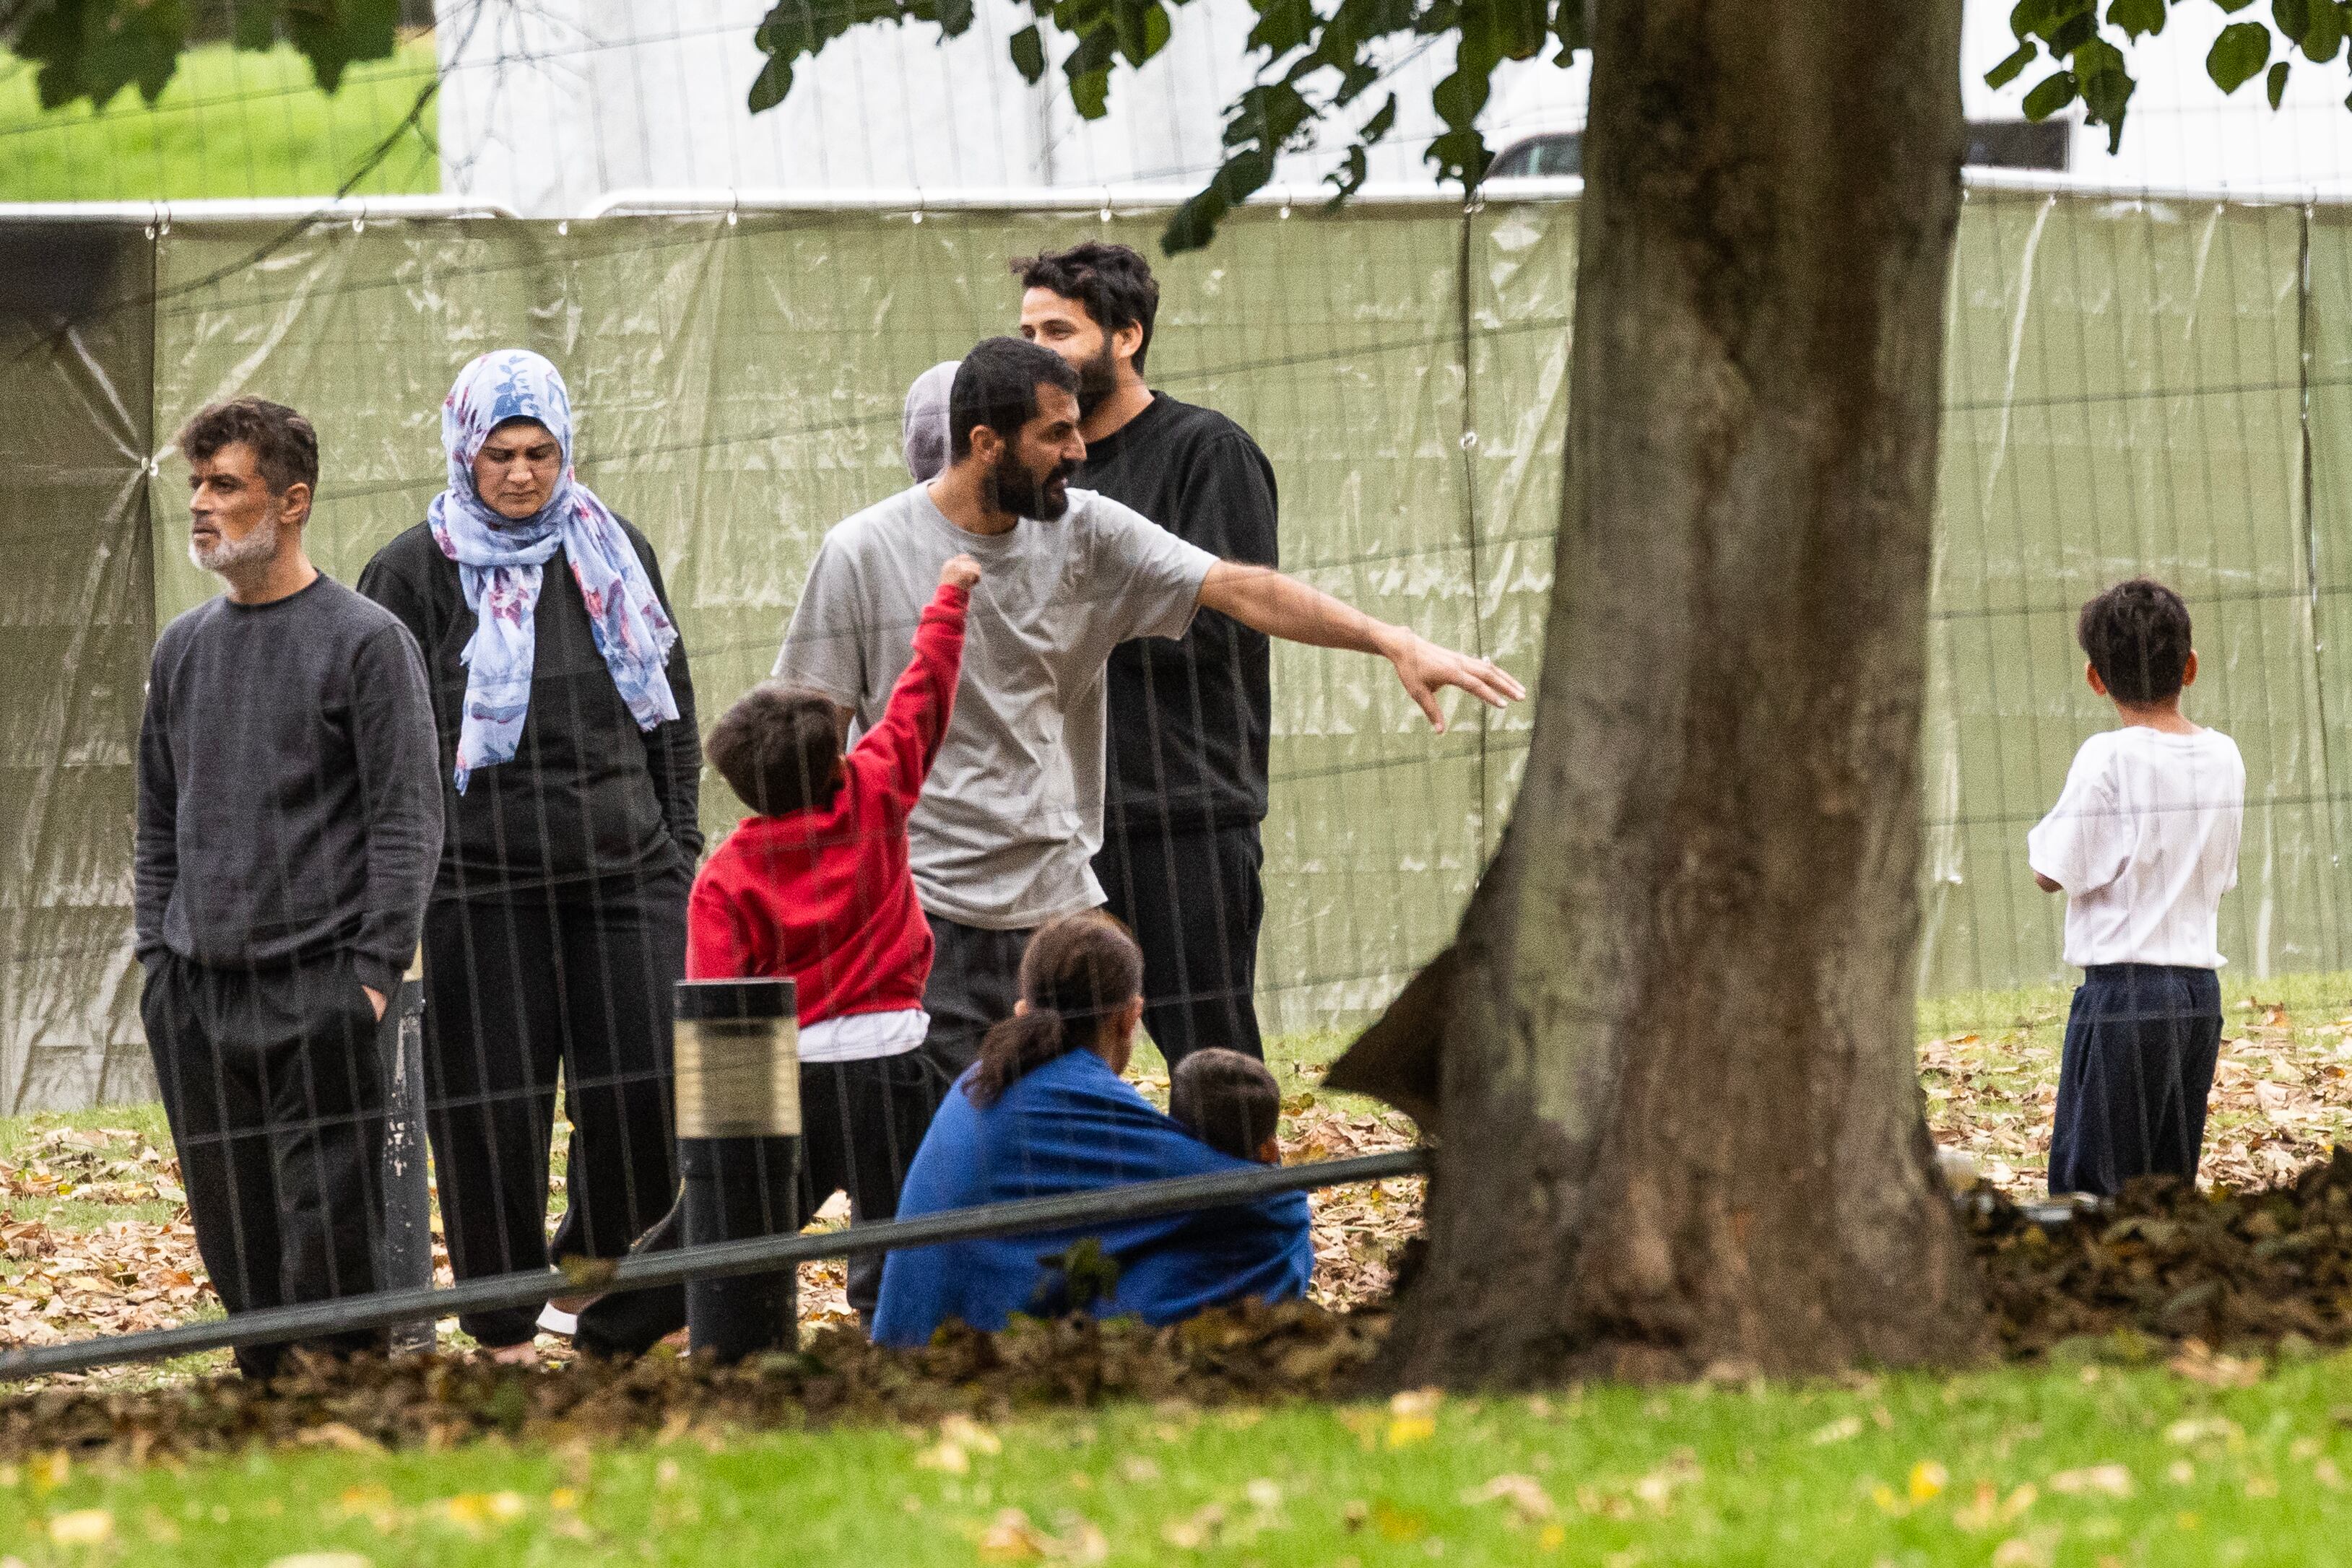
(739, 1123)
(407, 1253)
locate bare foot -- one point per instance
(524, 1354)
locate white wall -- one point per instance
(2179, 131)
(548, 104)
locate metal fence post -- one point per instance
(407, 1195)
(739, 1123)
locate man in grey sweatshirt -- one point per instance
(290, 825)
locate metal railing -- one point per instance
(393, 1309)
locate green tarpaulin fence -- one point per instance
(2131, 386)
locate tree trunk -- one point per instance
(1681, 1122)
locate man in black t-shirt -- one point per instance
(1186, 788)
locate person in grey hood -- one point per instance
(923, 432)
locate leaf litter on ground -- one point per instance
(2208, 1280)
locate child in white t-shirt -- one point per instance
(2143, 842)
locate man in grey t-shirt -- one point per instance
(1004, 836)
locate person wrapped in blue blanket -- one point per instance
(1043, 1111)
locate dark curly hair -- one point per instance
(1075, 972)
(776, 748)
(2136, 637)
(285, 447)
(1114, 283)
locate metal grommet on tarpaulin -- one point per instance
(736, 1054)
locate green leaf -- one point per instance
(1029, 54)
(2292, 17)
(2009, 70)
(2238, 55)
(2041, 18)
(1567, 26)
(1519, 28)
(1358, 77)
(1346, 182)
(95, 49)
(1194, 224)
(2136, 17)
(2106, 88)
(335, 38)
(2234, 6)
(1141, 28)
(1283, 25)
(1268, 115)
(2051, 94)
(2324, 39)
(1381, 124)
(2078, 29)
(1087, 70)
(954, 16)
(2277, 83)
(253, 24)
(775, 80)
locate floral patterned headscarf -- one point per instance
(500, 560)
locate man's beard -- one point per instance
(226, 556)
(1025, 495)
(1097, 379)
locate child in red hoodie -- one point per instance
(816, 886)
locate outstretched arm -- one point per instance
(1279, 606)
(905, 744)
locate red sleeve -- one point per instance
(718, 937)
(898, 753)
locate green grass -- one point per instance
(2068, 1465)
(232, 123)
(2312, 1000)
(22, 1139)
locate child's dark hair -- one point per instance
(1078, 971)
(1228, 1100)
(1112, 281)
(2136, 637)
(776, 747)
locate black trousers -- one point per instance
(516, 991)
(861, 1123)
(1193, 900)
(273, 1083)
(975, 979)
(2141, 1043)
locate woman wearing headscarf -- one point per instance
(558, 923)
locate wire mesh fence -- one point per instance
(2133, 385)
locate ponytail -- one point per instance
(1077, 972)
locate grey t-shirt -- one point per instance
(1011, 815)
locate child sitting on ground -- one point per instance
(816, 886)
(2143, 842)
(1228, 1100)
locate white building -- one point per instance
(552, 105)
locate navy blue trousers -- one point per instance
(2141, 1040)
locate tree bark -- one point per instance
(1681, 1121)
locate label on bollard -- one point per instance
(737, 1055)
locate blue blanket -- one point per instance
(1074, 1125)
